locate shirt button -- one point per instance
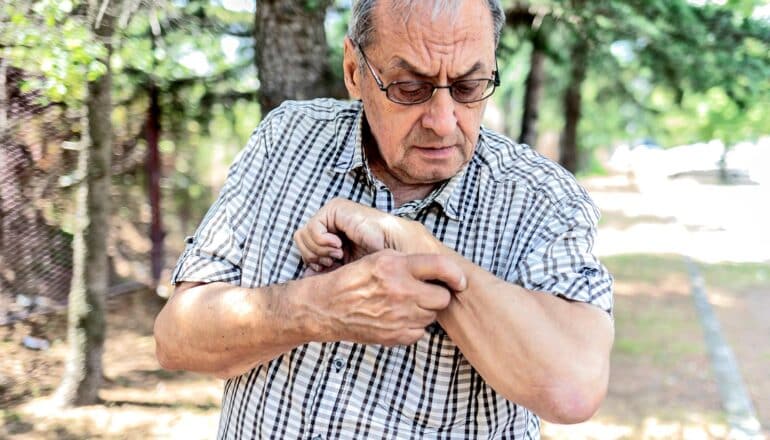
(338, 363)
(318, 437)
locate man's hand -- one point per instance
(385, 298)
(343, 231)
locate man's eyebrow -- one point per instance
(401, 63)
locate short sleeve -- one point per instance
(214, 253)
(559, 259)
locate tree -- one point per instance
(86, 325)
(572, 107)
(292, 54)
(524, 16)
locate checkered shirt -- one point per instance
(510, 211)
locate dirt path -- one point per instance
(140, 400)
(743, 317)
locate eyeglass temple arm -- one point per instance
(497, 74)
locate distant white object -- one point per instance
(752, 157)
(34, 343)
(650, 164)
(24, 301)
(702, 156)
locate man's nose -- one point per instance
(440, 114)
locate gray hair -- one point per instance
(361, 26)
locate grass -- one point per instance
(651, 268)
(655, 331)
(737, 276)
(647, 268)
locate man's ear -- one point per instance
(351, 70)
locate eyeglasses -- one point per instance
(416, 92)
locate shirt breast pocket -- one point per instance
(428, 383)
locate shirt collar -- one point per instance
(350, 138)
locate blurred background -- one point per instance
(119, 119)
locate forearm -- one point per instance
(225, 330)
(538, 350)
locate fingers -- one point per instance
(310, 257)
(433, 297)
(409, 336)
(321, 238)
(437, 268)
(319, 248)
(421, 317)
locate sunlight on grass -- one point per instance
(648, 268)
(652, 332)
(737, 276)
(122, 422)
(651, 268)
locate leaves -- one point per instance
(47, 39)
(653, 63)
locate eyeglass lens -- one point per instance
(417, 91)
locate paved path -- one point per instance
(735, 400)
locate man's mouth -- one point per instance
(435, 151)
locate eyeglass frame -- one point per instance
(495, 83)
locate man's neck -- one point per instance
(402, 192)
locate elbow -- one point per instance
(163, 358)
(572, 406)
(575, 400)
(162, 343)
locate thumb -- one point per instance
(437, 268)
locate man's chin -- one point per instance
(428, 176)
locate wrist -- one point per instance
(420, 241)
(309, 308)
(303, 312)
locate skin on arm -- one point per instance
(225, 330)
(539, 350)
(384, 298)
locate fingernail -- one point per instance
(337, 254)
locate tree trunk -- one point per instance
(86, 309)
(3, 99)
(291, 52)
(569, 157)
(533, 92)
(153, 169)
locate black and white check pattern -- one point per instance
(510, 211)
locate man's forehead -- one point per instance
(446, 22)
(408, 44)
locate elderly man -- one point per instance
(453, 290)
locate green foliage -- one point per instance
(668, 70)
(52, 39)
(685, 73)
